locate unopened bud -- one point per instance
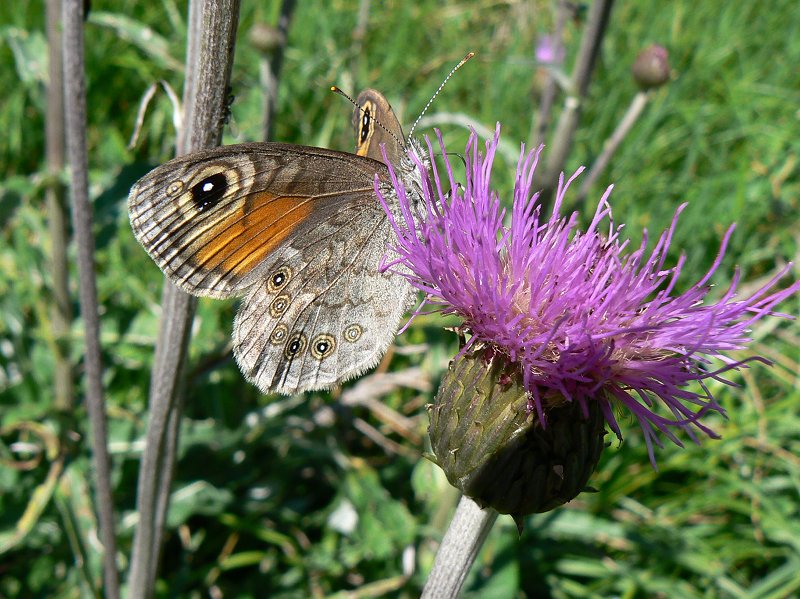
(495, 450)
(651, 67)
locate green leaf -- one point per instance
(30, 54)
(142, 36)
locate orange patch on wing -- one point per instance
(251, 232)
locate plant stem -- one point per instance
(212, 35)
(599, 15)
(75, 108)
(460, 546)
(542, 117)
(612, 143)
(57, 217)
(271, 68)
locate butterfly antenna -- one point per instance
(436, 93)
(339, 91)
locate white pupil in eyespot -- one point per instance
(208, 186)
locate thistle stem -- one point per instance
(212, 34)
(611, 145)
(271, 68)
(460, 546)
(77, 151)
(561, 144)
(58, 215)
(542, 117)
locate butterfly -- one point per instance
(298, 233)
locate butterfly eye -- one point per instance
(322, 346)
(365, 121)
(295, 346)
(209, 191)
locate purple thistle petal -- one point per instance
(579, 315)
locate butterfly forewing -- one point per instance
(257, 196)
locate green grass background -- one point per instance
(291, 497)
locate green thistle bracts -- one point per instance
(496, 452)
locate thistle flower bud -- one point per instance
(493, 447)
(549, 50)
(651, 67)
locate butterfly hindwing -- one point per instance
(289, 336)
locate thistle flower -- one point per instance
(576, 318)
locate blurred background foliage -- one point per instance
(328, 494)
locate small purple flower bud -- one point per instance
(651, 67)
(549, 51)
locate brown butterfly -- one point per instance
(299, 233)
